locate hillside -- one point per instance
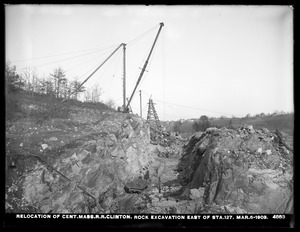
(284, 122)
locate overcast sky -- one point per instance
(208, 60)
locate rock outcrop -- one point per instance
(245, 170)
(98, 175)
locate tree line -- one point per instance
(55, 85)
(278, 119)
(188, 127)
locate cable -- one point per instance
(138, 37)
(109, 64)
(189, 107)
(16, 61)
(88, 72)
(102, 48)
(194, 108)
(137, 72)
(101, 74)
(94, 67)
(75, 67)
(149, 65)
(63, 59)
(118, 61)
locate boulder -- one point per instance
(53, 139)
(44, 146)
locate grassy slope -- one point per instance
(36, 117)
(22, 100)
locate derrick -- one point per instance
(156, 131)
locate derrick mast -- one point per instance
(144, 67)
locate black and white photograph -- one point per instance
(154, 115)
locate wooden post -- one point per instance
(124, 76)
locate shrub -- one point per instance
(12, 106)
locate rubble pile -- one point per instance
(169, 147)
(244, 170)
(172, 151)
(98, 175)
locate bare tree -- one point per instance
(31, 80)
(65, 89)
(59, 77)
(50, 87)
(96, 92)
(43, 86)
(87, 95)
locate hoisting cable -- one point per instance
(61, 54)
(94, 58)
(114, 73)
(83, 75)
(68, 58)
(141, 35)
(95, 70)
(149, 66)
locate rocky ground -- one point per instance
(93, 162)
(103, 162)
(240, 171)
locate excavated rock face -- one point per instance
(246, 169)
(94, 176)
